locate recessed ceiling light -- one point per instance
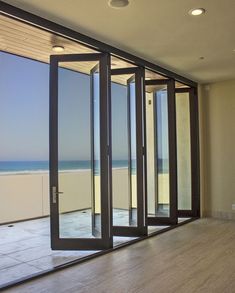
(197, 11)
(58, 49)
(118, 3)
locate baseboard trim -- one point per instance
(220, 215)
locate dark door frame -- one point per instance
(138, 78)
(194, 145)
(106, 240)
(173, 216)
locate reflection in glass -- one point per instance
(162, 154)
(96, 153)
(157, 152)
(183, 151)
(132, 162)
(124, 154)
(120, 155)
(151, 157)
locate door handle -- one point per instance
(55, 193)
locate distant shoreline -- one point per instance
(46, 172)
(31, 172)
(42, 167)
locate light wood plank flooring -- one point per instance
(197, 257)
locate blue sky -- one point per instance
(23, 108)
(24, 112)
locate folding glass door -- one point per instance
(161, 152)
(80, 162)
(127, 96)
(187, 152)
(96, 192)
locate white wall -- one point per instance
(217, 140)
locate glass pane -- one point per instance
(133, 179)
(74, 152)
(151, 158)
(183, 151)
(162, 152)
(120, 172)
(124, 153)
(157, 151)
(96, 151)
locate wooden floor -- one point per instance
(196, 257)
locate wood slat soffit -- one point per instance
(31, 42)
(28, 41)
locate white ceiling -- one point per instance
(160, 31)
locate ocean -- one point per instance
(40, 166)
(43, 166)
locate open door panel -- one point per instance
(161, 152)
(132, 221)
(79, 117)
